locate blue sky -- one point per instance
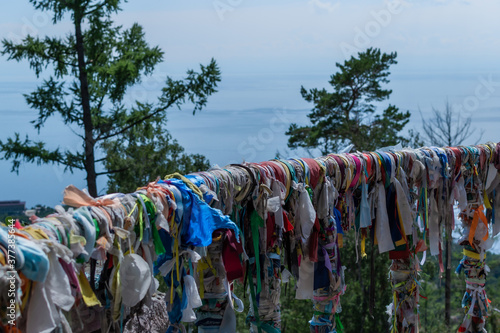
(266, 51)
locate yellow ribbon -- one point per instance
(201, 267)
(189, 184)
(363, 252)
(473, 255)
(487, 201)
(176, 250)
(36, 233)
(88, 295)
(395, 302)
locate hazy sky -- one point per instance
(266, 51)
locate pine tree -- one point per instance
(348, 114)
(92, 68)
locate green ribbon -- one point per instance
(141, 222)
(97, 230)
(424, 210)
(357, 218)
(339, 326)
(159, 249)
(254, 303)
(310, 192)
(68, 235)
(151, 211)
(150, 207)
(256, 221)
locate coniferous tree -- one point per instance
(348, 115)
(92, 68)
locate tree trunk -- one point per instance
(85, 96)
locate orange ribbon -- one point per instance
(154, 189)
(75, 197)
(478, 215)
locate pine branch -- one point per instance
(95, 9)
(134, 123)
(35, 152)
